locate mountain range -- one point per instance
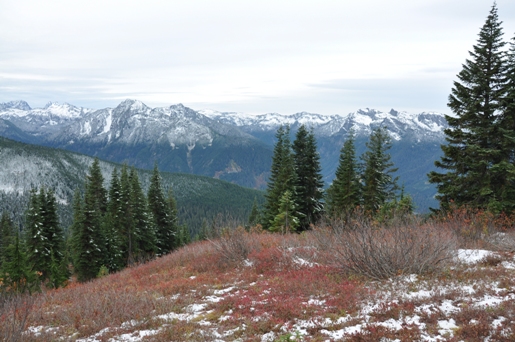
(236, 147)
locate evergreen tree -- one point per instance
(146, 236)
(344, 194)
(379, 186)
(505, 169)
(182, 235)
(112, 226)
(58, 271)
(89, 243)
(38, 245)
(129, 233)
(15, 269)
(474, 157)
(282, 176)
(287, 218)
(7, 234)
(308, 178)
(254, 214)
(163, 219)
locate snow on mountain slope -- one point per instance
(400, 124)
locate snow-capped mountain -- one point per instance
(426, 125)
(232, 146)
(178, 138)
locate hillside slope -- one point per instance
(26, 166)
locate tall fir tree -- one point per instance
(163, 218)
(7, 233)
(112, 226)
(129, 233)
(146, 247)
(474, 156)
(505, 190)
(89, 245)
(282, 176)
(182, 235)
(58, 272)
(38, 246)
(344, 194)
(308, 184)
(379, 185)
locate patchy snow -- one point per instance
(427, 297)
(472, 256)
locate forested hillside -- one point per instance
(24, 166)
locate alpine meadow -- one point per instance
(135, 223)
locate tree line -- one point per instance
(295, 198)
(112, 228)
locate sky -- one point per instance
(324, 56)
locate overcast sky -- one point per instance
(235, 55)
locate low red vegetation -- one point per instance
(248, 284)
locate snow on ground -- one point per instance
(443, 300)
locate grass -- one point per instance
(255, 286)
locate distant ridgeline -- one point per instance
(24, 166)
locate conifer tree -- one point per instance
(474, 156)
(38, 245)
(89, 245)
(308, 178)
(182, 235)
(287, 218)
(505, 169)
(58, 271)
(7, 233)
(282, 176)
(129, 233)
(379, 186)
(254, 214)
(344, 194)
(112, 226)
(146, 236)
(163, 219)
(15, 269)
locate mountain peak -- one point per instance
(20, 104)
(133, 104)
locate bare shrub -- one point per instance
(234, 244)
(15, 309)
(501, 241)
(359, 246)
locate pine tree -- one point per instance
(379, 186)
(282, 176)
(146, 236)
(344, 194)
(15, 269)
(89, 244)
(308, 181)
(182, 234)
(474, 157)
(7, 233)
(163, 219)
(129, 234)
(58, 271)
(287, 218)
(505, 169)
(112, 226)
(38, 245)
(254, 214)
